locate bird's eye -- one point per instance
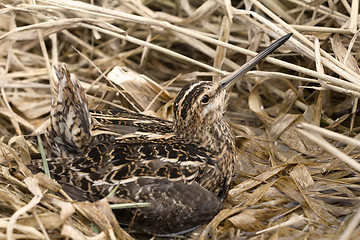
(205, 99)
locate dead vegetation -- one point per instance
(305, 93)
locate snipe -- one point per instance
(183, 168)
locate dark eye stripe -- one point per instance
(186, 98)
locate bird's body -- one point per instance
(182, 168)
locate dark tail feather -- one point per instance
(70, 122)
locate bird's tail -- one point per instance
(70, 123)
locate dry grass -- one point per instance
(286, 186)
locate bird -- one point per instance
(183, 168)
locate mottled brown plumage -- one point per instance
(68, 134)
(183, 168)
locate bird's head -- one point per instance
(199, 106)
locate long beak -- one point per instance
(225, 82)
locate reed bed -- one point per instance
(295, 115)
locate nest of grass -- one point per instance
(294, 116)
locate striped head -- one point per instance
(199, 107)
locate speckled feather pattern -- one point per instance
(69, 131)
(183, 168)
